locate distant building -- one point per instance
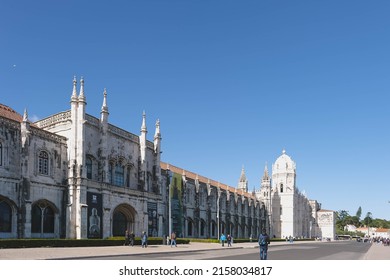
(350, 228)
(381, 233)
(374, 232)
(290, 212)
(326, 221)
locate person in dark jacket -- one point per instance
(264, 241)
(144, 240)
(131, 239)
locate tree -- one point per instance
(368, 219)
(342, 214)
(359, 212)
(342, 219)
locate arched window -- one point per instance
(43, 163)
(281, 188)
(5, 217)
(213, 228)
(119, 175)
(189, 228)
(202, 227)
(89, 167)
(42, 218)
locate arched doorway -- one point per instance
(123, 219)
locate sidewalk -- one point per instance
(376, 251)
(70, 252)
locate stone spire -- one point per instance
(104, 106)
(104, 137)
(243, 182)
(242, 176)
(82, 96)
(73, 134)
(104, 111)
(157, 154)
(80, 131)
(265, 184)
(74, 93)
(143, 148)
(157, 134)
(157, 138)
(266, 175)
(25, 115)
(143, 127)
(25, 129)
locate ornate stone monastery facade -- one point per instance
(73, 175)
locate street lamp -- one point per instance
(169, 174)
(217, 215)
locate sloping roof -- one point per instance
(382, 230)
(10, 113)
(203, 179)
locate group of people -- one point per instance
(263, 240)
(130, 237)
(228, 239)
(381, 240)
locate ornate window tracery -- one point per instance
(43, 163)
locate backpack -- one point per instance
(263, 240)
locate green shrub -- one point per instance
(112, 241)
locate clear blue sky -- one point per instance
(232, 82)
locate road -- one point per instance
(342, 250)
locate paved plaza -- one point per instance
(376, 251)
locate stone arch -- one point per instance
(44, 219)
(190, 227)
(123, 218)
(202, 228)
(8, 218)
(213, 229)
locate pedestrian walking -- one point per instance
(131, 239)
(264, 241)
(229, 240)
(173, 239)
(144, 240)
(222, 239)
(127, 238)
(168, 239)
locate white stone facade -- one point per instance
(326, 224)
(33, 173)
(290, 212)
